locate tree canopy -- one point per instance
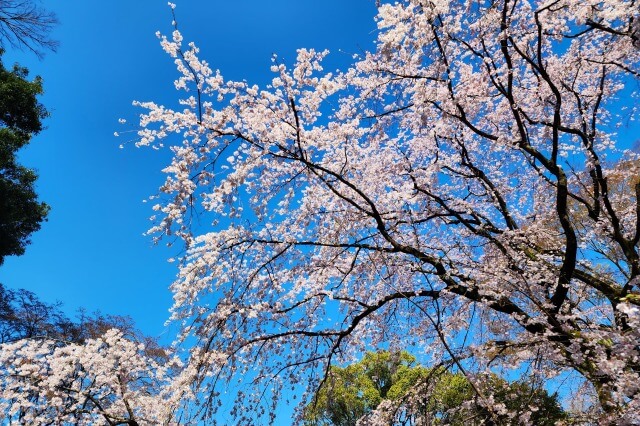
(418, 395)
(434, 190)
(349, 393)
(21, 115)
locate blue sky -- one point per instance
(92, 252)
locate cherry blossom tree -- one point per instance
(98, 369)
(449, 193)
(106, 380)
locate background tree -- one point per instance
(23, 316)
(24, 24)
(398, 201)
(349, 393)
(21, 115)
(419, 395)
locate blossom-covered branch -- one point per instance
(461, 185)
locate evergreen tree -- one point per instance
(21, 115)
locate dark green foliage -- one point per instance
(440, 396)
(21, 213)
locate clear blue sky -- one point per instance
(91, 253)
